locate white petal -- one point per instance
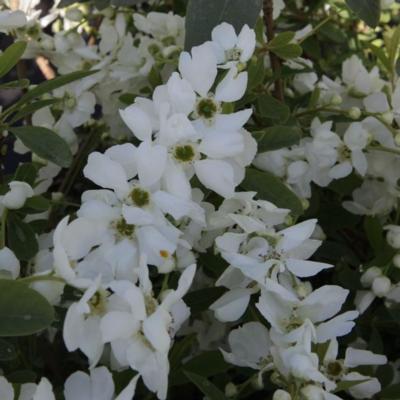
(118, 325)
(216, 175)
(356, 357)
(232, 305)
(305, 268)
(232, 87)
(151, 162)
(137, 121)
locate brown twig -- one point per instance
(275, 61)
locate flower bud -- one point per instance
(305, 203)
(336, 100)
(393, 236)
(74, 14)
(281, 395)
(388, 117)
(370, 275)
(312, 392)
(15, 198)
(231, 390)
(396, 260)
(381, 286)
(354, 113)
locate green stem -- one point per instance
(315, 30)
(385, 149)
(41, 278)
(321, 109)
(3, 228)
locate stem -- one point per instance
(316, 29)
(321, 109)
(385, 149)
(41, 278)
(3, 228)
(275, 61)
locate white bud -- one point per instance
(281, 395)
(336, 100)
(370, 275)
(16, 197)
(312, 392)
(74, 14)
(354, 113)
(393, 236)
(381, 286)
(305, 203)
(396, 260)
(231, 390)
(388, 117)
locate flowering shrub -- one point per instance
(199, 197)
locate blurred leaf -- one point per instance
(31, 108)
(277, 137)
(23, 311)
(181, 349)
(280, 40)
(21, 83)
(7, 351)
(45, 143)
(269, 107)
(26, 172)
(289, 51)
(271, 188)
(21, 237)
(11, 56)
(203, 15)
(200, 300)
(345, 385)
(50, 85)
(256, 71)
(333, 32)
(36, 204)
(390, 392)
(375, 234)
(206, 387)
(368, 10)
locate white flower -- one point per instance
(290, 316)
(10, 20)
(231, 48)
(250, 346)
(9, 263)
(17, 195)
(98, 385)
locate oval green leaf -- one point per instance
(23, 311)
(11, 56)
(45, 143)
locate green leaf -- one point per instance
(203, 15)
(50, 85)
(26, 172)
(11, 56)
(180, 349)
(200, 300)
(45, 143)
(23, 311)
(292, 50)
(36, 204)
(256, 71)
(281, 40)
(271, 188)
(206, 387)
(7, 351)
(31, 108)
(21, 83)
(345, 385)
(368, 10)
(333, 32)
(21, 237)
(269, 107)
(375, 234)
(207, 364)
(277, 137)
